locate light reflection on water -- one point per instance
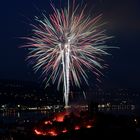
(12, 116)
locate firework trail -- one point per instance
(66, 44)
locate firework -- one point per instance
(66, 44)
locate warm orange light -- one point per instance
(60, 116)
(53, 130)
(37, 132)
(88, 126)
(65, 131)
(48, 122)
(77, 128)
(52, 133)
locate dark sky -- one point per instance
(123, 23)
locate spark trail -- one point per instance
(66, 44)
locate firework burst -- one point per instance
(66, 44)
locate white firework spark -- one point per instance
(66, 44)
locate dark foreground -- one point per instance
(105, 126)
(93, 133)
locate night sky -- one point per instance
(123, 23)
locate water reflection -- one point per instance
(14, 115)
(18, 114)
